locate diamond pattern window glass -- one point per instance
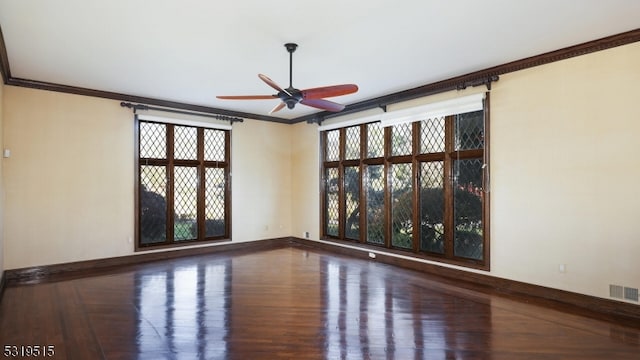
(374, 185)
(352, 143)
(183, 195)
(185, 142)
(469, 131)
(333, 202)
(332, 149)
(215, 196)
(375, 140)
(153, 204)
(432, 136)
(417, 193)
(401, 139)
(153, 143)
(185, 202)
(352, 202)
(214, 145)
(401, 206)
(468, 208)
(432, 207)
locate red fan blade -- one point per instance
(272, 83)
(329, 91)
(278, 107)
(247, 97)
(323, 104)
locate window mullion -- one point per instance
(364, 136)
(342, 204)
(387, 188)
(200, 205)
(227, 184)
(416, 186)
(342, 198)
(448, 187)
(170, 185)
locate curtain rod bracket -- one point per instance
(135, 107)
(316, 120)
(478, 82)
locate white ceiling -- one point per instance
(189, 51)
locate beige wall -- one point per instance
(261, 173)
(564, 173)
(564, 139)
(305, 181)
(69, 181)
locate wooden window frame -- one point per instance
(448, 157)
(170, 163)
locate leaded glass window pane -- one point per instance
(332, 148)
(332, 201)
(352, 202)
(185, 203)
(432, 135)
(401, 206)
(214, 199)
(432, 207)
(469, 133)
(401, 139)
(468, 238)
(375, 140)
(153, 141)
(374, 181)
(421, 184)
(214, 145)
(192, 209)
(352, 143)
(153, 204)
(185, 140)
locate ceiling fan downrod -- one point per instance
(291, 47)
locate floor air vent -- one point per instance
(631, 294)
(623, 292)
(615, 291)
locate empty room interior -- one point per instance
(320, 180)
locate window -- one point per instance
(417, 188)
(183, 191)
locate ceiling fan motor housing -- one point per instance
(291, 97)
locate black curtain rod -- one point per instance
(137, 107)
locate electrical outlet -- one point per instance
(306, 234)
(372, 255)
(562, 268)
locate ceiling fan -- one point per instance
(291, 96)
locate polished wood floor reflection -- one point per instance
(292, 303)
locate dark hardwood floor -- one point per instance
(290, 303)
